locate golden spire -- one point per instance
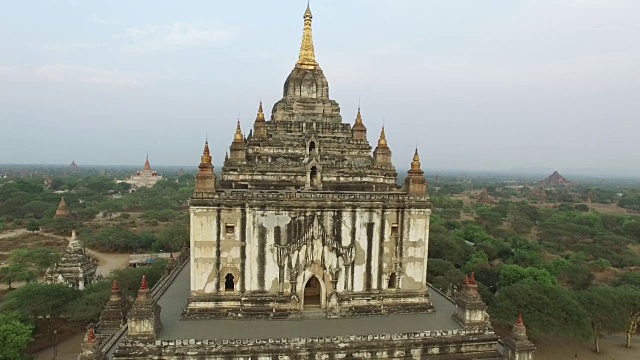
(358, 117)
(206, 155)
(415, 164)
(147, 166)
(307, 58)
(238, 135)
(260, 116)
(382, 142)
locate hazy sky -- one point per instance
(476, 84)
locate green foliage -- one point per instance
(14, 336)
(443, 275)
(33, 226)
(513, 274)
(36, 259)
(442, 245)
(15, 273)
(92, 300)
(40, 300)
(629, 299)
(129, 279)
(546, 309)
(605, 314)
(631, 278)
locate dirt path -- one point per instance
(109, 262)
(67, 350)
(611, 348)
(12, 233)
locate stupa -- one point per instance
(75, 268)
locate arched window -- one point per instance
(312, 147)
(229, 285)
(393, 281)
(313, 174)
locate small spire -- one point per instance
(91, 335)
(226, 155)
(184, 246)
(238, 135)
(307, 57)
(115, 287)
(147, 166)
(466, 280)
(143, 285)
(260, 116)
(415, 164)
(358, 116)
(472, 280)
(520, 322)
(382, 142)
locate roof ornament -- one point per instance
(307, 58)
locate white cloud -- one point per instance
(7, 71)
(97, 20)
(102, 77)
(162, 38)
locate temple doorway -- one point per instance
(312, 292)
(229, 284)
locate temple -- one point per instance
(144, 178)
(63, 210)
(321, 216)
(75, 268)
(307, 224)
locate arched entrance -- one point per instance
(312, 292)
(229, 284)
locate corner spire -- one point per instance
(358, 116)
(415, 164)
(382, 142)
(260, 116)
(307, 58)
(238, 135)
(206, 160)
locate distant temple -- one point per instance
(145, 178)
(74, 167)
(484, 198)
(556, 179)
(62, 210)
(75, 268)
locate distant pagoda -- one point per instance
(62, 211)
(74, 168)
(75, 268)
(144, 178)
(484, 198)
(556, 179)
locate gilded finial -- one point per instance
(147, 166)
(358, 116)
(382, 142)
(260, 112)
(238, 135)
(307, 58)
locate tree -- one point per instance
(548, 309)
(41, 300)
(15, 273)
(14, 336)
(629, 298)
(513, 274)
(604, 313)
(33, 226)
